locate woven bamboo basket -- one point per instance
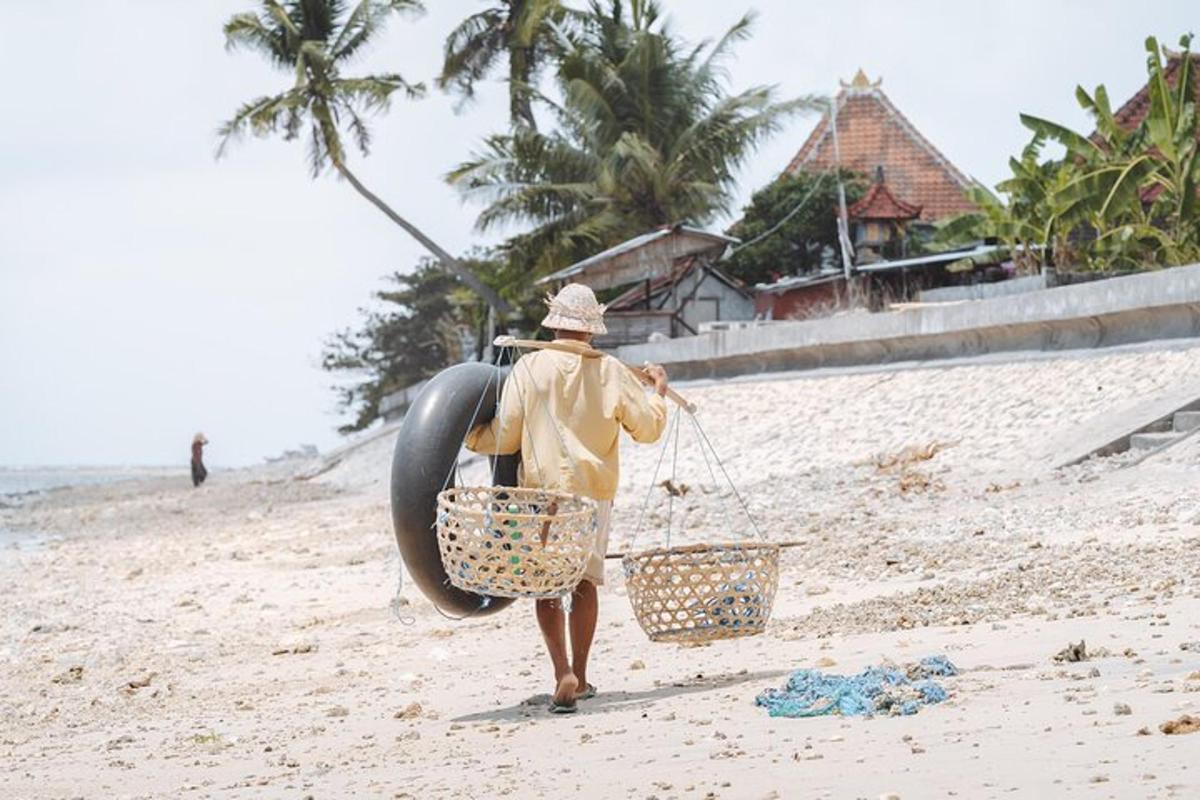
(509, 542)
(703, 592)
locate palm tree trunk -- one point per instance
(520, 67)
(452, 264)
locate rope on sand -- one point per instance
(876, 690)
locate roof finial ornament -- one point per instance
(861, 82)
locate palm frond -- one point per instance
(259, 117)
(524, 33)
(314, 38)
(1098, 193)
(647, 134)
(713, 66)
(366, 20)
(374, 92)
(283, 20)
(530, 24)
(248, 31)
(471, 50)
(727, 134)
(1100, 108)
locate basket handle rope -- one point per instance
(662, 452)
(706, 447)
(741, 501)
(713, 476)
(672, 434)
(671, 495)
(470, 423)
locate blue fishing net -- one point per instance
(876, 690)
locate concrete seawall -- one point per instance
(986, 291)
(1154, 305)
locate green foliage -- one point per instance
(1118, 199)
(523, 32)
(646, 135)
(314, 39)
(796, 246)
(417, 332)
(422, 325)
(1028, 223)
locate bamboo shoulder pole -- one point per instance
(781, 545)
(587, 351)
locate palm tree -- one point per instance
(313, 39)
(521, 31)
(647, 135)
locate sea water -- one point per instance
(24, 480)
(18, 484)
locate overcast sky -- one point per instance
(148, 291)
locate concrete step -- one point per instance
(1149, 441)
(1187, 421)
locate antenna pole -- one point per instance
(843, 223)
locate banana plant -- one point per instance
(1121, 198)
(1133, 192)
(1028, 223)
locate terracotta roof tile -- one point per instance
(879, 203)
(873, 133)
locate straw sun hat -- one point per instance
(574, 308)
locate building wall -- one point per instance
(984, 291)
(706, 298)
(699, 297)
(633, 327)
(801, 302)
(1136, 308)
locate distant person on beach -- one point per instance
(199, 473)
(565, 413)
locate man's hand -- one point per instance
(659, 376)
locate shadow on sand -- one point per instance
(604, 702)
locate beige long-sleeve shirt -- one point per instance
(565, 414)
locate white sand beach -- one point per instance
(238, 640)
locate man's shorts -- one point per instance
(595, 566)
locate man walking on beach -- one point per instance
(564, 413)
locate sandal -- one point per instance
(562, 708)
(588, 693)
(567, 685)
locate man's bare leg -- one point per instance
(552, 621)
(585, 610)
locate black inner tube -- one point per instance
(427, 447)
